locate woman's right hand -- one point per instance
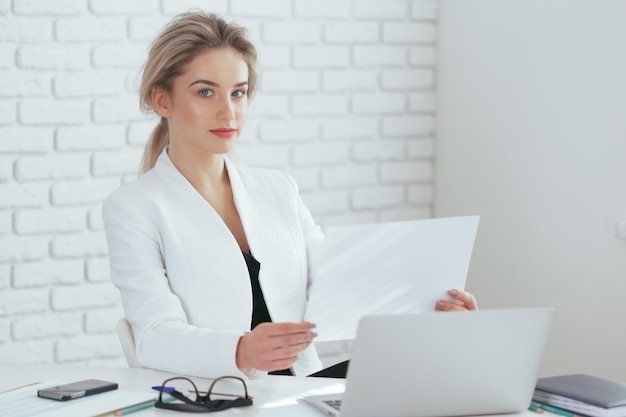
(274, 346)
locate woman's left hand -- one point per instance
(464, 301)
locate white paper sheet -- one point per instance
(387, 268)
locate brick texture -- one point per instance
(346, 105)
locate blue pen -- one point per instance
(166, 390)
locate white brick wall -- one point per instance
(346, 105)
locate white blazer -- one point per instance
(184, 282)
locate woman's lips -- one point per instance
(224, 133)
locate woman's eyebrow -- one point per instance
(214, 84)
(211, 83)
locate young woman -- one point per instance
(212, 260)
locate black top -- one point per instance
(260, 314)
(259, 308)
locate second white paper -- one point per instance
(387, 268)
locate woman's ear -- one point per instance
(161, 102)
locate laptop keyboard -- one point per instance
(336, 404)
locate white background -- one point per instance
(532, 136)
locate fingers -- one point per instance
(273, 346)
(286, 328)
(288, 352)
(461, 301)
(281, 335)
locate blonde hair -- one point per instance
(182, 39)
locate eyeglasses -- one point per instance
(202, 403)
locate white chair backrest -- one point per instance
(127, 339)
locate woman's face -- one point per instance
(208, 104)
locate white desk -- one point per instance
(275, 396)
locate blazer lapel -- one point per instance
(168, 171)
(246, 210)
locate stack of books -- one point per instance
(580, 395)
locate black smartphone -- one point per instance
(78, 389)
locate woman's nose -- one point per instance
(227, 110)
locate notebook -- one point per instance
(443, 364)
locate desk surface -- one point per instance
(275, 396)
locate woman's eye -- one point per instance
(239, 93)
(206, 92)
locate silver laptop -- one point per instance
(443, 364)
